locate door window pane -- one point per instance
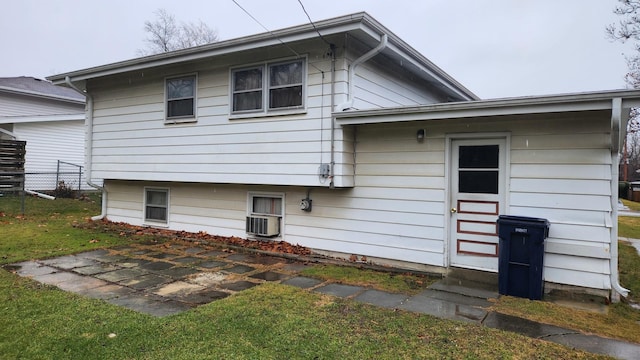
(478, 169)
(478, 182)
(479, 157)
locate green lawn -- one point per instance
(270, 321)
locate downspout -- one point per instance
(349, 103)
(88, 148)
(617, 134)
(354, 65)
(333, 120)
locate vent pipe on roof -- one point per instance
(88, 147)
(354, 65)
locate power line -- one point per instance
(264, 27)
(312, 24)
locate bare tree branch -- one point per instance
(164, 34)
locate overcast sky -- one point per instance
(496, 48)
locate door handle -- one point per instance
(454, 210)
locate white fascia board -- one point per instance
(494, 107)
(40, 118)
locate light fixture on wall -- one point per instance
(420, 135)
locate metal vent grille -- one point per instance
(267, 226)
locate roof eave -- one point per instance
(495, 107)
(41, 95)
(358, 21)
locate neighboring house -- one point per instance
(353, 143)
(50, 119)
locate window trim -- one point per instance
(155, 222)
(266, 87)
(183, 118)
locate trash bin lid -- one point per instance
(522, 219)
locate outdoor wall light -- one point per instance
(420, 135)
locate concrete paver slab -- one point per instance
(269, 276)
(132, 262)
(194, 250)
(339, 290)
(212, 264)
(208, 279)
(32, 268)
(82, 283)
(156, 265)
(111, 258)
(69, 262)
(122, 274)
(109, 291)
(145, 281)
(187, 260)
(177, 272)
(162, 256)
(203, 297)
(213, 254)
(240, 269)
(381, 298)
(443, 309)
(95, 269)
(94, 254)
(148, 305)
(58, 278)
(178, 288)
(455, 297)
(238, 285)
(302, 282)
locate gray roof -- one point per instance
(31, 86)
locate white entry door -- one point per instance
(477, 191)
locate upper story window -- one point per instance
(181, 97)
(268, 87)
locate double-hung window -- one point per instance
(269, 87)
(156, 205)
(181, 97)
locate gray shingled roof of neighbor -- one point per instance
(31, 86)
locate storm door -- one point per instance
(477, 197)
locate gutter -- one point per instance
(88, 148)
(617, 134)
(352, 70)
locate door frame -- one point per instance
(449, 140)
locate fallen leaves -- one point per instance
(124, 229)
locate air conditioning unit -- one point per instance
(268, 226)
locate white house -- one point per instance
(51, 120)
(353, 143)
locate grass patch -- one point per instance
(629, 265)
(629, 227)
(47, 228)
(621, 321)
(632, 205)
(381, 280)
(271, 321)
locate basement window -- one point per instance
(156, 205)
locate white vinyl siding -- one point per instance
(131, 140)
(18, 105)
(48, 142)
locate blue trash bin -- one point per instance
(521, 255)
